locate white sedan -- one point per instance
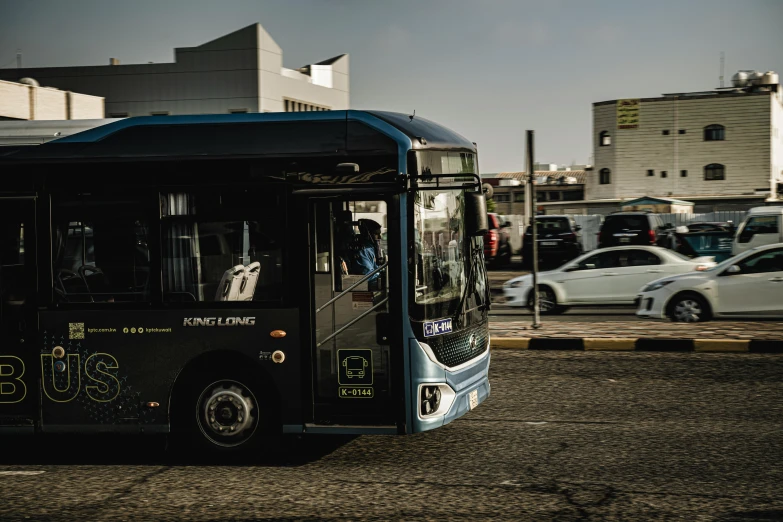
(609, 276)
(747, 285)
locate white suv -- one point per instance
(747, 285)
(762, 226)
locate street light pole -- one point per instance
(531, 176)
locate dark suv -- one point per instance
(634, 228)
(559, 240)
(497, 241)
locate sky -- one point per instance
(488, 69)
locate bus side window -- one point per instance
(221, 247)
(101, 255)
(12, 261)
(323, 238)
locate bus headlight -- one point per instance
(435, 399)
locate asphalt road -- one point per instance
(564, 436)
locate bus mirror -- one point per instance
(382, 329)
(475, 214)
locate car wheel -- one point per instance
(547, 301)
(689, 308)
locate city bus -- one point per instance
(199, 276)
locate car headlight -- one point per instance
(516, 284)
(656, 286)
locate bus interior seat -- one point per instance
(71, 287)
(248, 285)
(230, 284)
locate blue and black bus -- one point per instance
(203, 276)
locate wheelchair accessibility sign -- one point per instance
(354, 374)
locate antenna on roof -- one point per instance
(412, 115)
(722, 62)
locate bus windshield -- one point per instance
(442, 252)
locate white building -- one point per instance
(721, 149)
(27, 100)
(239, 72)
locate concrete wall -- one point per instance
(745, 152)
(14, 100)
(85, 107)
(27, 102)
(776, 138)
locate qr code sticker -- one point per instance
(75, 330)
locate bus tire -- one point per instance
(220, 413)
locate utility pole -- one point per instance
(722, 62)
(530, 189)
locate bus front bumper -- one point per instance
(461, 389)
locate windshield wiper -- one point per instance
(469, 284)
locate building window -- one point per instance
(502, 198)
(714, 172)
(683, 173)
(554, 196)
(519, 197)
(237, 111)
(573, 195)
(681, 131)
(159, 113)
(714, 133)
(664, 174)
(650, 173)
(604, 139)
(605, 176)
(665, 133)
(540, 197)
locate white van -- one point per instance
(762, 226)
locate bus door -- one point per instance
(352, 361)
(18, 291)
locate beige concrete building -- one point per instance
(27, 100)
(239, 72)
(557, 192)
(722, 149)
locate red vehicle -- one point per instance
(497, 241)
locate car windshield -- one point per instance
(617, 223)
(552, 226)
(730, 261)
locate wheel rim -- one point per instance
(688, 311)
(546, 300)
(227, 413)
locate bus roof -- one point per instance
(246, 135)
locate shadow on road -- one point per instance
(148, 450)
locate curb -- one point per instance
(616, 344)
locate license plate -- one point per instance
(549, 243)
(625, 240)
(473, 399)
(432, 328)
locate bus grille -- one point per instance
(453, 350)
